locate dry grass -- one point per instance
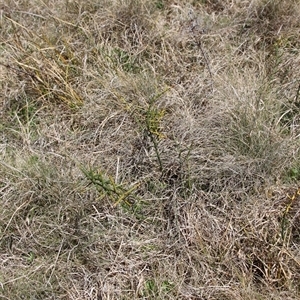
(149, 149)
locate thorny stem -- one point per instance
(153, 139)
(199, 44)
(155, 144)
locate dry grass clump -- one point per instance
(149, 150)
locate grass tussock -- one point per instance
(149, 149)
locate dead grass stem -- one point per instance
(149, 150)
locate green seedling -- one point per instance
(167, 286)
(124, 60)
(153, 117)
(150, 288)
(294, 174)
(153, 130)
(117, 193)
(160, 4)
